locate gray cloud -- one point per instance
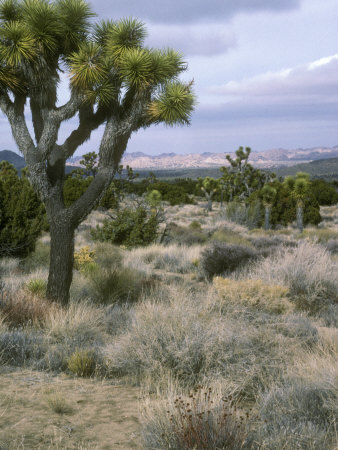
(175, 11)
(193, 40)
(308, 89)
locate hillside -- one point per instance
(13, 158)
(323, 168)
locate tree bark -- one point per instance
(267, 217)
(300, 218)
(61, 262)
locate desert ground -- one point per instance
(162, 347)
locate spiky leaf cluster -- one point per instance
(108, 63)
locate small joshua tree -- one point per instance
(209, 186)
(241, 178)
(115, 81)
(269, 194)
(299, 186)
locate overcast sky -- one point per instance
(265, 72)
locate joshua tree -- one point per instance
(89, 161)
(269, 194)
(241, 177)
(208, 186)
(299, 187)
(115, 81)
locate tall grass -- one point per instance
(307, 270)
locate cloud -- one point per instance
(311, 87)
(178, 11)
(193, 40)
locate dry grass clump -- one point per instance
(254, 294)
(57, 402)
(203, 420)
(230, 237)
(171, 258)
(321, 235)
(19, 347)
(83, 362)
(22, 308)
(172, 338)
(80, 322)
(177, 234)
(185, 337)
(301, 413)
(307, 270)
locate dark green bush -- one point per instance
(131, 228)
(283, 208)
(22, 215)
(222, 257)
(74, 187)
(324, 192)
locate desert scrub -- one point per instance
(230, 237)
(58, 403)
(177, 337)
(22, 308)
(131, 228)
(181, 235)
(298, 414)
(201, 420)
(307, 270)
(172, 258)
(79, 323)
(37, 286)
(21, 347)
(116, 284)
(38, 259)
(83, 362)
(83, 257)
(222, 258)
(254, 294)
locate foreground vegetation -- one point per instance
(225, 334)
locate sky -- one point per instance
(265, 73)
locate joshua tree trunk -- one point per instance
(209, 198)
(267, 217)
(61, 262)
(300, 217)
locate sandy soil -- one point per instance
(99, 415)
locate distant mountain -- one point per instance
(18, 161)
(279, 160)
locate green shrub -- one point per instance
(37, 286)
(195, 225)
(83, 362)
(115, 284)
(22, 216)
(222, 257)
(130, 228)
(283, 210)
(324, 192)
(74, 187)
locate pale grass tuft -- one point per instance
(58, 403)
(172, 258)
(253, 293)
(307, 270)
(79, 318)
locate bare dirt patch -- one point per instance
(98, 414)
